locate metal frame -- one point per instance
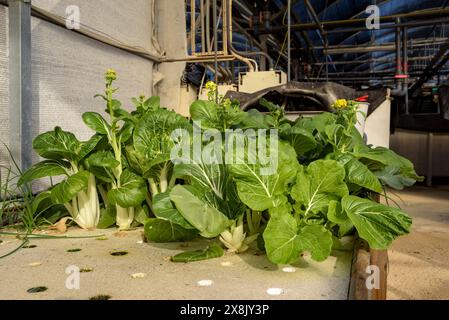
(20, 102)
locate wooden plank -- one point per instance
(360, 261)
(379, 258)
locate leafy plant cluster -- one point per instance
(323, 189)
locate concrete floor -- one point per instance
(419, 266)
(245, 276)
(419, 262)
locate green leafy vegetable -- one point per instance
(206, 219)
(160, 230)
(213, 251)
(376, 223)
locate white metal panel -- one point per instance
(129, 21)
(68, 70)
(4, 86)
(414, 146)
(377, 126)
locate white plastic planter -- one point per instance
(361, 117)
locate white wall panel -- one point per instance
(68, 70)
(126, 21)
(4, 86)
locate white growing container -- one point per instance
(361, 117)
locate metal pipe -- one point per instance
(440, 59)
(398, 50)
(289, 32)
(234, 52)
(405, 66)
(215, 40)
(385, 60)
(332, 24)
(417, 42)
(399, 89)
(207, 58)
(20, 103)
(390, 46)
(322, 33)
(224, 26)
(192, 27)
(411, 24)
(203, 36)
(209, 46)
(243, 7)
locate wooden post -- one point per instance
(379, 258)
(362, 259)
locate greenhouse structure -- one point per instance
(226, 155)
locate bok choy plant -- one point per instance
(65, 156)
(126, 190)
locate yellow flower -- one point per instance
(111, 75)
(211, 86)
(340, 104)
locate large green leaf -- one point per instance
(281, 239)
(161, 230)
(41, 202)
(213, 251)
(336, 215)
(214, 182)
(214, 116)
(284, 240)
(90, 145)
(257, 120)
(392, 177)
(376, 223)
(206, 219)
(132, 190)
(164, 208)
(96, 122)
(321, 122)
(321, 182)
(41, 170)
(152, 136)
(387, 157)
(126, 132)
(102, 159)
(57, 145)
(359, 174)
(301, 139)
(258, 190)
(107, 217)
(206, 112)
(141, 214)
(152, 103)
(66, 190)
(317, 240)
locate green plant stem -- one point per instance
(25, 241)
(45, 236)
(163, 179)
(153, 187)
(104, 194)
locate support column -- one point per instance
(20, 105)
